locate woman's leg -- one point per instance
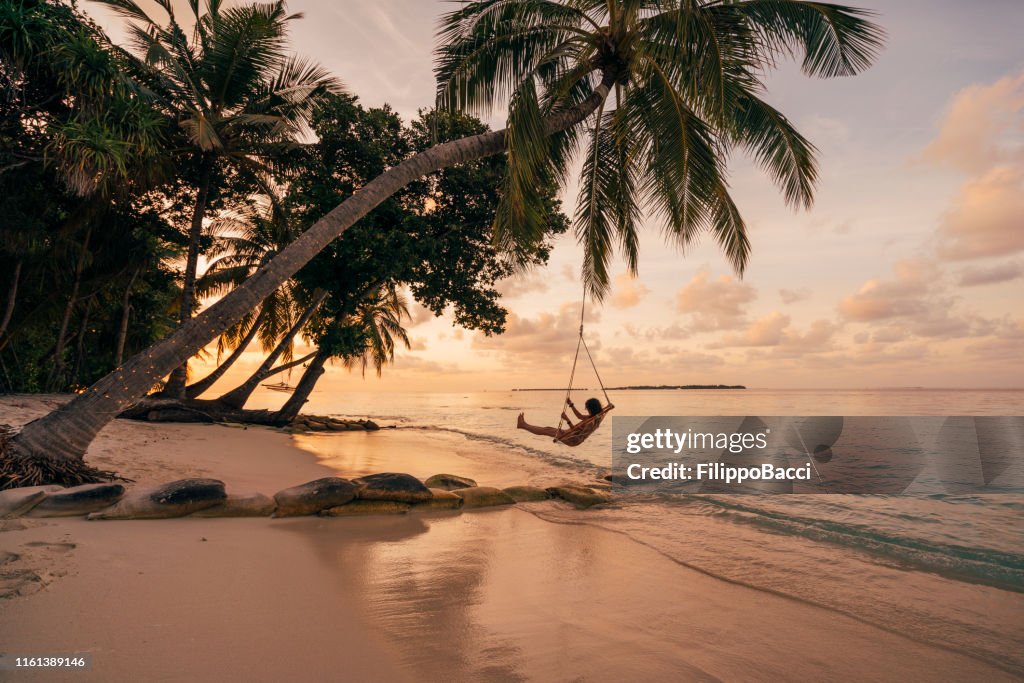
(521, 423)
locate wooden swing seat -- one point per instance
(578, 433)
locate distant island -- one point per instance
(645, 387)
(554, 389)
(665, 387)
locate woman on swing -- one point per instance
(573, 435)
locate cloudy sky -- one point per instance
(908, 271)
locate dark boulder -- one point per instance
(314, 496)
(18, 501)
(78, 500)
(449, 482)
(176, 499)
(402, 488)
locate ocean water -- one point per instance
(942, 569)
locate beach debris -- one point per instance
(16, 502)
(403, 488)
(314, 496)
(176, 499)
(581, 496)
(367, 507)
(441, 500)
(483, 496)
(241, 505)
(319, 423)
(527, 494)
(78, 500)
(449, 482)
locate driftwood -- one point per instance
(160, 409)
(197, 410)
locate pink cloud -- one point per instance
(1003, 272)
(791, 296)
(882, 299)
(987, 218)
(715, 304)
(979, 127)
(774, 330)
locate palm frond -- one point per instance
(836, 40)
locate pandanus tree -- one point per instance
(239, 101)
(687, 78)
(78, 141)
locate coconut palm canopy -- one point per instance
(230, 80)
(238, 100)
(687, 82)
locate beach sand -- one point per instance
(502, 594)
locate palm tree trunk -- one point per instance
(12, 297)
(197, 388)
(176, 382)
(237, 397)
(126, 309)
(64, 434)
(289, 365)
(300, 396)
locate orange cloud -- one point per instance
(715, 304)
(547, 338)
(881, 299)
(981, 135)
(773, 330)
(979, 127)
(627, 291)
(534, 281)
(987, 218)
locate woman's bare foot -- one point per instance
(521, 422)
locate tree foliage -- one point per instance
(687, 80)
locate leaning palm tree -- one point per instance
(238, 99)
(687, 80)
(246, 240)
(371, 333)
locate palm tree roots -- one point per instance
(18, 471)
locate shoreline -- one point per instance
(491, 593)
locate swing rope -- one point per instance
(572, 374)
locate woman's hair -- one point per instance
(593, 406)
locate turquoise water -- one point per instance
(942, 569)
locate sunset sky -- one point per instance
(908, 271)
